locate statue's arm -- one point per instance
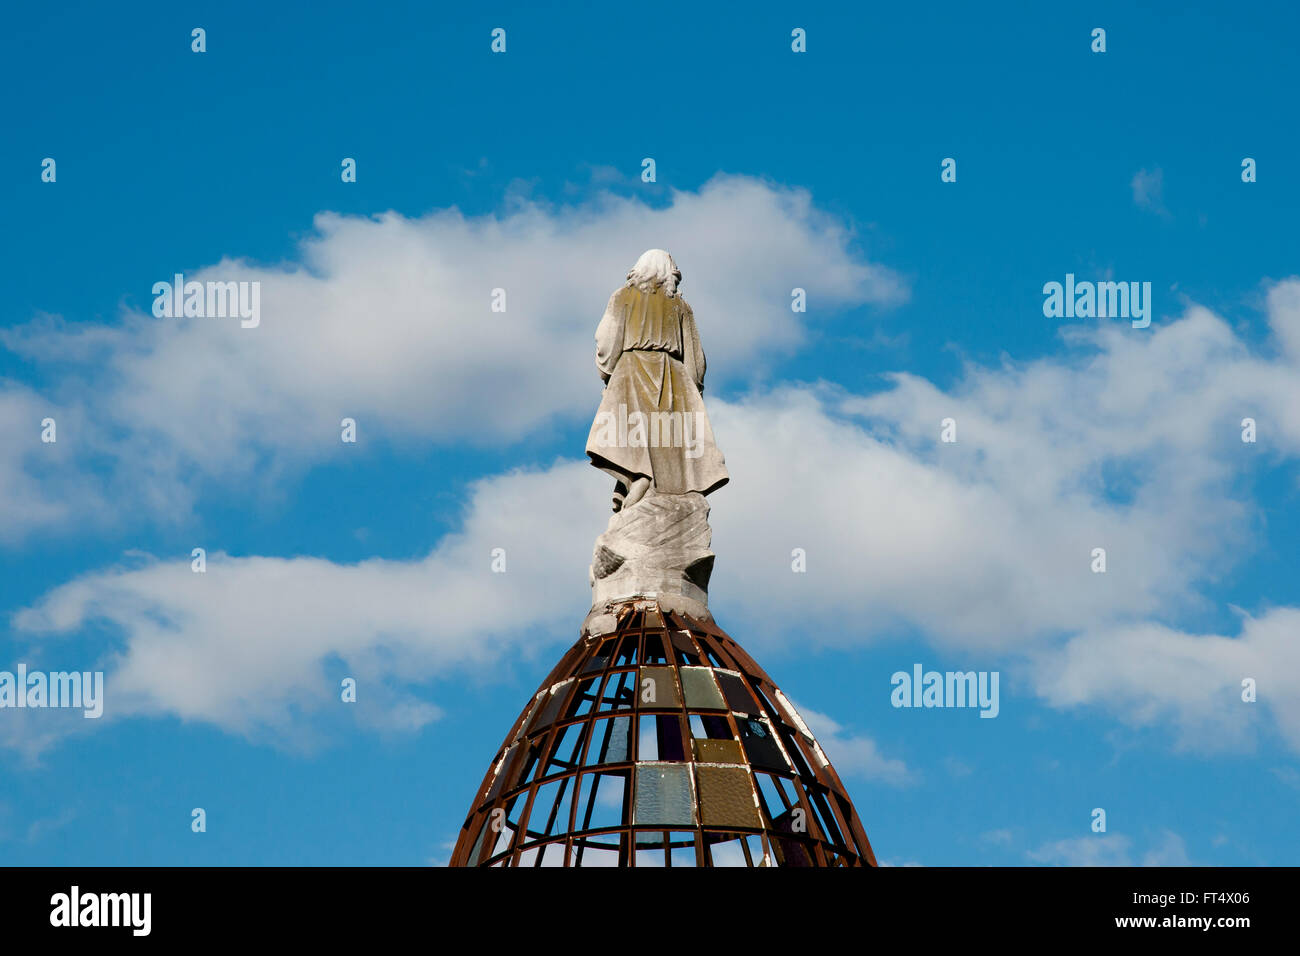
(692, 350)
(609, 338)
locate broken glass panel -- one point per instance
(829, 826)
(728, 851)
(568, 744)
(597, 856)
(551, 710)
(475, 855)
(505, 769)
(553, 854)
(601, 799)
(654, 650)
(627, 651)
(584, 698)
(647, 739)
(620, 688)
(687, 652)
(550, 812)
(681, 850)
(771, 796)
(610, 740)
(651, 858)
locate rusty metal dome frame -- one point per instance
(660, 744)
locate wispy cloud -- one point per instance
(1149, 190)
(854, 754)
(1112, 849)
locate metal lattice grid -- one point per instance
(661, 744)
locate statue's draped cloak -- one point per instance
(648, 350)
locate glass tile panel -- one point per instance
(762, 749)
(727, 797)
(661, 692)
(718, 751)
(669, 737)
(700, 689)
(737, 695)
(663, 795)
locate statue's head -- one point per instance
(655, 269)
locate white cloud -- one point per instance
(957, 767)
(246, 645)
(853, 754)
(387, 320)
(1288, 775)
(1098, 850)
(1149, 190)
(1129, 442)
(1147, 673)
(1170, 851)
(984, 546)
(987, 543)
(1111, 850)
(39, 483)
(1002, 837)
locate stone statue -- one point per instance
(651, 430)
(653, 437)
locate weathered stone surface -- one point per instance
(657, 548)
(652, 426)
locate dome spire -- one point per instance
(656, 740)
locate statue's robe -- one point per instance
(648, 351)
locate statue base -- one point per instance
(659, 549)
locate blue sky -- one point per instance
(773, 170)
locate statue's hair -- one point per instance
(653, 270)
